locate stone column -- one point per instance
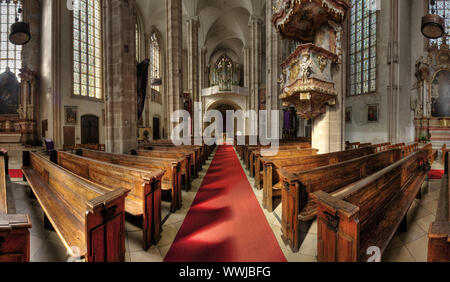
(203, 71)
(120, 75)
(274, 59)
(174, 57)
(247, 66)
(31, 50)
(328, 130)
(193, 58)
(255, 25)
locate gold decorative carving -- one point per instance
(323, 62)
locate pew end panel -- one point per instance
(89, 219)
(376, 206)
(144, 198)
(338, 229)
(15, 238)
(439, 242)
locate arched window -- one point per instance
(10, 54)
(155, 59)
(363, 49)
(443, 10)
(87, 50)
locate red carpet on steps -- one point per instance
(225, 222)
(15, 173)
(436, 174)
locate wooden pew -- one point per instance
(186, 161)
(363, 145)
(84, 215)
(95, 147)
(144, 199)
(4, 153)
(352, 146)
(281, 154)
(271, 165)
(14, 228)
(298, 186)
(254, 153)
(288, 145)
(368, 213)
(444, 154)
(382, 147)
(194, 152)
(439, 232)
(171, 180)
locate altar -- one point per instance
(431, 104)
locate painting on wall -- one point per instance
(71, 114)
(440, 94)
(372, 113)
(144, 134)
(9, 93)
(348, 115)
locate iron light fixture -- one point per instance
(433, 25)
(20, 31)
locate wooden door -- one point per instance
(156, 129)
(89, 130)
(69, 137)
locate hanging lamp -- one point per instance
(433, 25)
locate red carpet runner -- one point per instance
(436, 174)
(225, 222)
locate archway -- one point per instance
(223, 106)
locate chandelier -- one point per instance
(433, 25)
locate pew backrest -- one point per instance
(329, 178)
(170, 167)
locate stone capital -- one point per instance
(255, 19)
(193, 20)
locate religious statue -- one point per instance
(282, 82)
(305, 66)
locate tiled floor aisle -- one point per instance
(405, 247)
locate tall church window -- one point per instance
(10, 54)
(155, 59)
(87, 50)
(443, 10)
(362, 48)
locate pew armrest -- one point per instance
(338, 206)
(17, 221)
(440, 230)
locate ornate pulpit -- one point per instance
(307, 80)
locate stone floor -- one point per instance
(47, 247)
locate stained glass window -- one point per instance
(87, 50)
(363, 48)
(10, 54)
(443, 10)
(155, 60)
